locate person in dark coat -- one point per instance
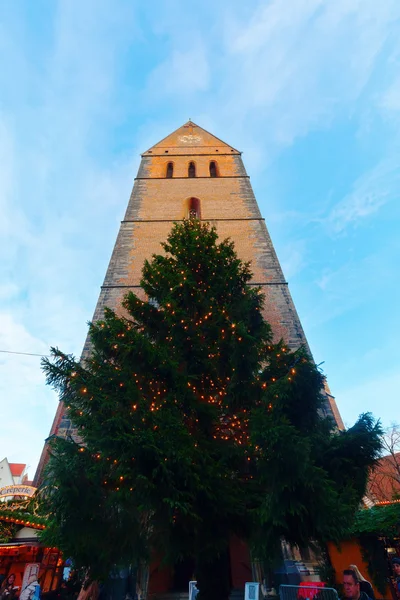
(396, 572)
(365, 585)
(351, 586)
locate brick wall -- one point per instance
(228, 203)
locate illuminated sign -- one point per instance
(17, 490)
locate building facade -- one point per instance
(12, 473)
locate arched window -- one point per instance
(170, 170)
(213, 169)
(194, 208)
(192, 170)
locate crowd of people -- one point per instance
(30, 591)
(355, 587)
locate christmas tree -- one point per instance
(194, 425)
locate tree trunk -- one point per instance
(89, 591)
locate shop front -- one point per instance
(25, 563)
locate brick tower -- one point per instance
(193, 172)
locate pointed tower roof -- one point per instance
(190, 139)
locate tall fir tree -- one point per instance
(194, 426)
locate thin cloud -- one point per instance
(370, 392)
(370, 192)
(60, 208)
(390, 100)
(184, 71)
(302, 67)
(292, 258)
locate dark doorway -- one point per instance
(183, 573)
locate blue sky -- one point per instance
(309, 90)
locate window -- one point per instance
(213, 169)
(192, 170)
(170, 170)
(194, 208)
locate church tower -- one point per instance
(193, 173)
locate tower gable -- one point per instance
(190, 139)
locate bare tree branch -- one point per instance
(384, 482)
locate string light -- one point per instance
(152, 395)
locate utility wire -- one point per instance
(26, 353)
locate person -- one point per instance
(8, 589)
(365, 585)
(351, 586)
(31, 590)
(396, 571)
